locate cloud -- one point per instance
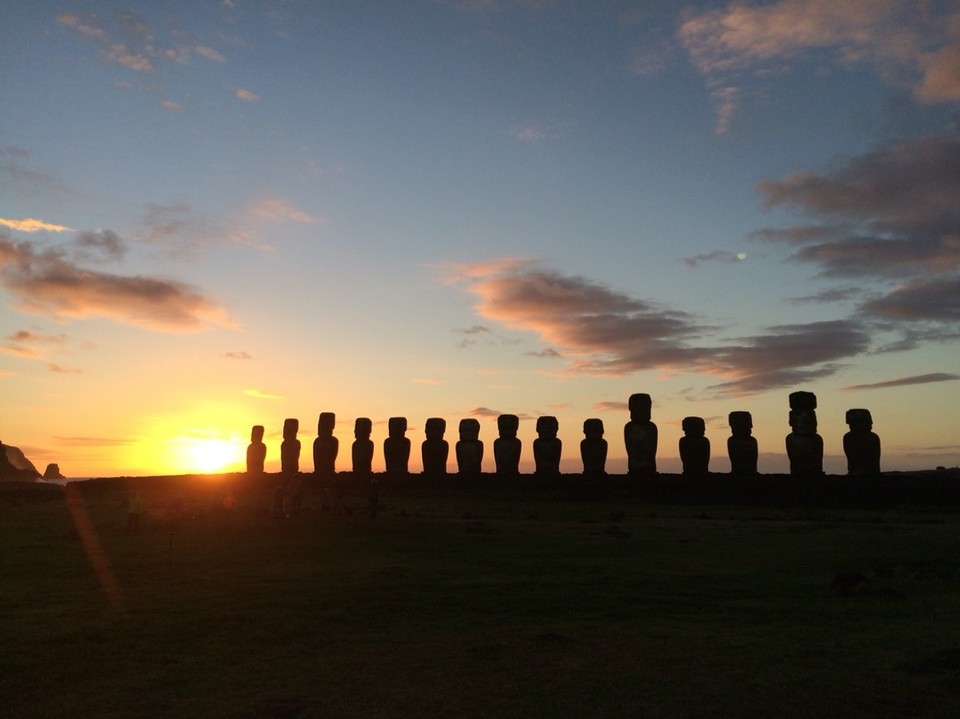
(94, 441)
(209, 53)
(607, 406)
(184, 231)
(239, 355)
(101, 245)
(262, 395)
(835, 294)
(31, 345)
(63, 370)
(907, 43)
(601, 331)
(548, 353)
(484, 412)
(721, 256)
(904, 381)
(32, 225)
(172, 105)
(890, 214)
(16, 174)
(246, 95)
(278, 209)
(47, 282)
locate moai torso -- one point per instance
(695, 447)
(256, 451)
(860, 444)
(741, 444)
(547, 447)
(362, 449)
(506, 447)
(290, 447)
(435, 450)
(396, 447)
(325, 446)
(469, 448)
(640, 437)
(804, 445)
(593, 448)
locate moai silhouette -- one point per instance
(506, 447)
(435, 450)
(694, 446)
(396, 447)
(290, 448)
(325, 446)
(860, 444)
(640, 438)
(804, 445)
(593, 448)
(469, 448)
(362, 449)
(256, 451)
(547, 446)
(741, 444)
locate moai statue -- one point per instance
(290, 448)
(694, 446)
(396, 447)
(506, 447)
(547, 446)
(593, 449)
(469, 448)
(804, 445)
(256, 451)
(362, 449)
(640, 437)
(741, 444)
(325, 446)
(435, 450)
(860, 444)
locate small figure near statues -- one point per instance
(640, 437)
(742, 445)
(860, 444)
(362, 448)
(695, 447)
(804, 445)
(469, 448)
(325, 447)
(593, 448)
(547, 447)
(507, 447)
(396, 447)
(435, 449)
(256, 452)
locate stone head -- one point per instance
(256, 434)
(547, 427)
(469, 429)
(290, 428)
(508, 424)
(640, 407)
(803, 421)
(362, 427)
(326, 424)
(741, 423)
(859, 420)
(593, 428)
(694, 426)
(435, 427)
(397, 426)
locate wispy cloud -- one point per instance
(184, 231)
(908, 43)
(246, 95)
(889, 214)
(720, 256)
(31, 224)
(246, 356)
(905, 381)
(602, 331)
(47, 282)
(279, 209)
(262, 395)
(17, 175)
(32, 345)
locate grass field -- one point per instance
(471, 603)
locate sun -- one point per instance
(208, 455)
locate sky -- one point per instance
(225, 213)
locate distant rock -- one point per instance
(14, 466)
(53, 471)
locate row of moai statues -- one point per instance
(804, 446)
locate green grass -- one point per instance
(462, 604)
